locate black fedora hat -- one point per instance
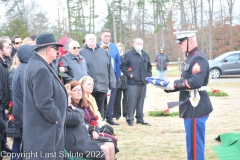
(46, 40)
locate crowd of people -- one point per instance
(55, 94)
(59, 94)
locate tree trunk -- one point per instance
(230, 9)
(156, 41)
(210, 6)
(202, 34)
(93, 15)
(114, 24)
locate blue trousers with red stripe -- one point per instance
(198, 144)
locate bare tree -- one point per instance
(114, 22)
(230, 10)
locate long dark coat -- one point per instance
(78, 140)
(44, 104)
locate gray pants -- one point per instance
(136, 97)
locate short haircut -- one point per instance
(106, 30)
(33, 37)
(1, 43)
(66, 45)
(90, 35)
(72, 42)
(137, 39)
(41, 50)
(14, 37)
(5, 37)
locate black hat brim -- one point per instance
(47, 44)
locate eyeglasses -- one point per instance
(18, 42)
(77, 90)
(76, 47)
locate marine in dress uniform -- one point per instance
(194, 103)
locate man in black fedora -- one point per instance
(44, 103)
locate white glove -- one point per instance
(170, 85)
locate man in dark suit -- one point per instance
(44, 103)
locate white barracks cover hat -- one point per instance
(182, 35)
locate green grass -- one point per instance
(217, 93)
(172, 71)
(159, 113)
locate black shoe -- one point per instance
(143, 123)
(129, 123)
(111, 122)
(7, 148)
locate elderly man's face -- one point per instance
(53, 52)
(138, 44)
(74, 48)
(91, 41)
(6, 51)
(105, 37)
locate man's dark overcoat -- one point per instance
(44, 104)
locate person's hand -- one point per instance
(62, 69)
(72, 106)
(170, 85)
(122, 74)
(161, 83)
(6, 111)
(95, 135)
(131, 75)
(56, 122)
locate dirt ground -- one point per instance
(165, 138)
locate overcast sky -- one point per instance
(101, 10)
(48, 5)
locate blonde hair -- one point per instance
(68, 88)
(105, 46)
(120, 45)
(15, 62)
(84, 79)
(27, 40)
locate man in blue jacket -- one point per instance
(114, 53)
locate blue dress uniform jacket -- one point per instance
(195, 74)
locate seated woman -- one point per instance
(87, 84)
(78, 140)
